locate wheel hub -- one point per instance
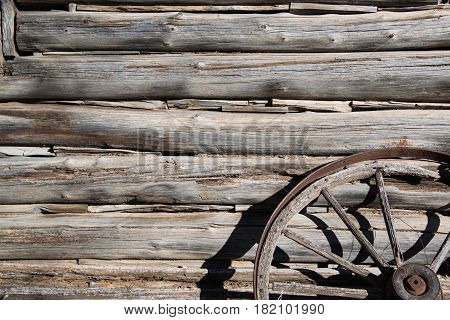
(414, 282)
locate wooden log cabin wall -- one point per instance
(144, 143)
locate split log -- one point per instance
(307, 105)
(171, 292)
(291, 105)
(64, 31)
(317, 8)
(166, 8)
(144, 178)
(84, 208)
(220, 132)
(25, 152)
(142, 236)
(393, 105)
(380, 3)
(415, 221)
(330, 76)
(125, 271)
(109, 279)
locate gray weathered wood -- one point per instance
(440, 6)
(308, 290)
(200, 219)
(221, 132)
(2, 58)
(441, 254)
(91, 278)
(125, 271)
(46, 208)
(84, 31)
(256, 109)
(405, 76)
(317, 8)
(381, 3)
(393, 105)
(25, 152)
(219, 186)
(308, 105)
(171, 292)
(185, 8)
(142, 236)
(8, 11)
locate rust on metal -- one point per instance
(415, 285)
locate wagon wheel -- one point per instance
(392, 275)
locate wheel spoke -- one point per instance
(441, 255)
(386, 208)
(331, 256)
(377, 258)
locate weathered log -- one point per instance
(146, 178)
(381, 3)
(198, 8)
(65, 31)
(221, 132)
(140, 236)
(46, 208)
(202, 220)
(124, 271)
(170, 291)
(92, 278)
(7, 22)
(350, 76)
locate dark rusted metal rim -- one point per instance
(372, 155)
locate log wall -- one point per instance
(144, 143)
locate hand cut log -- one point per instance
(384, 31)
(380, 3)
(136, 236)
(125, 271)
(400, 76)
(185, 8)
(194, 132)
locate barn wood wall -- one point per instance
(144, 143)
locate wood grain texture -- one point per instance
(64, 31)
(221, 132)
(68, 272)
(398, 76)
(381, 3)
(185, 236)
(392, 105)
(148, 179)
(153, 279)
(8, 12)
(317, 8)
(2, 58)
(198, 8)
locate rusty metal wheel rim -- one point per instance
(288, 207)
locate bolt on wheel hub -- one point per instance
(415, 282)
